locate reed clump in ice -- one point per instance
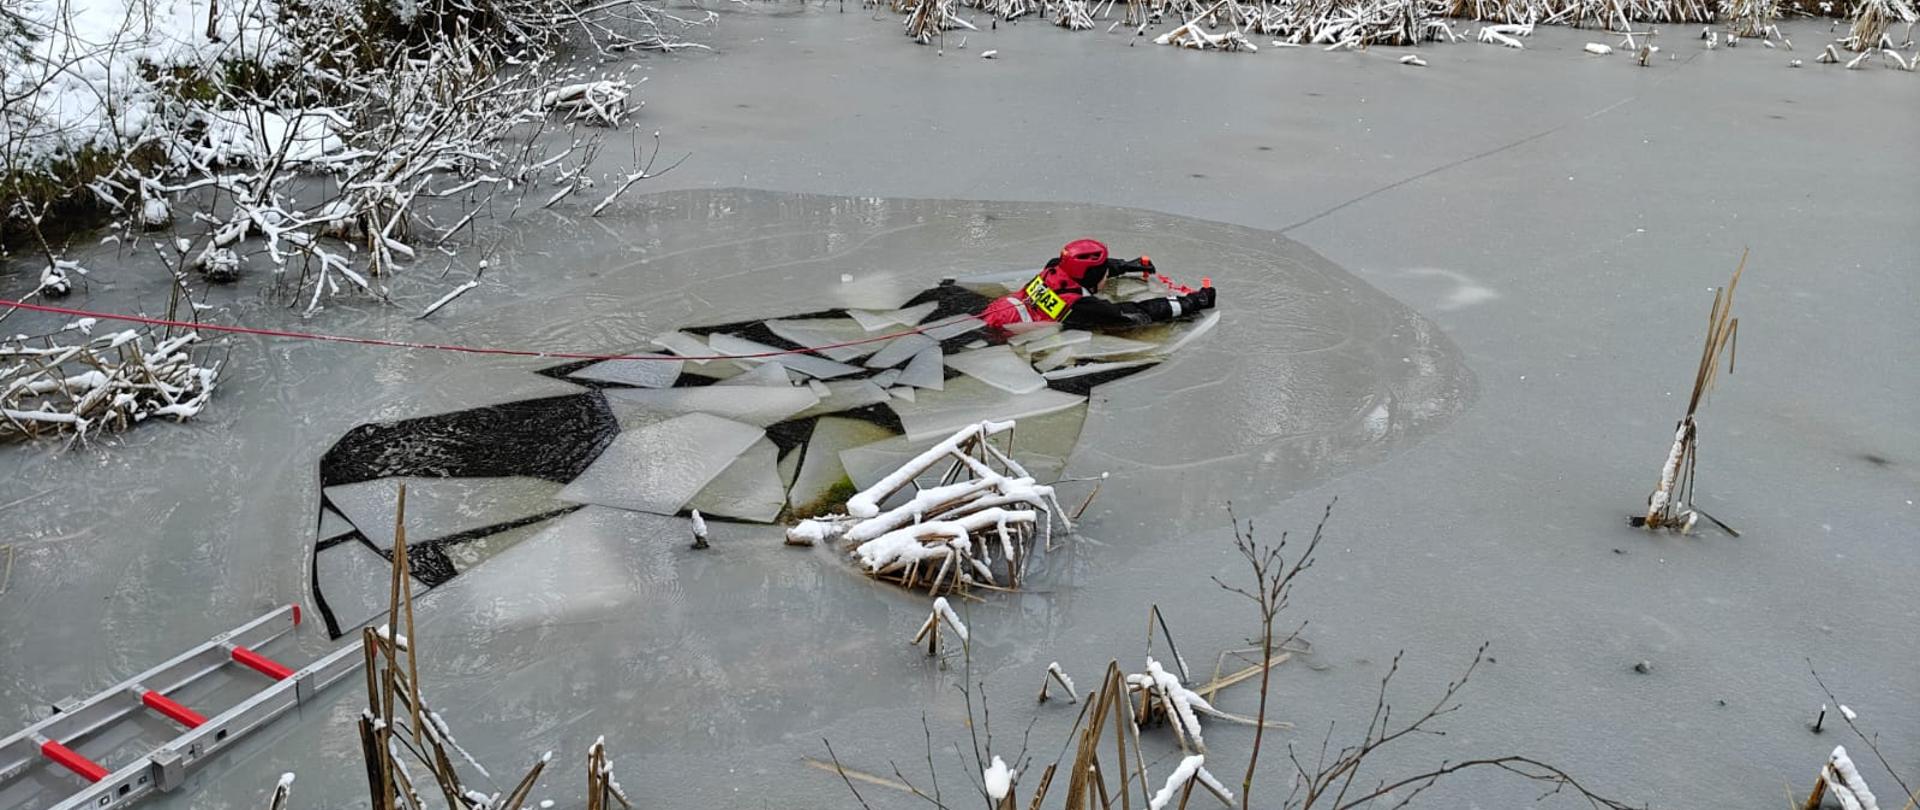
(978, 525)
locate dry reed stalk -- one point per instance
(1671, 504)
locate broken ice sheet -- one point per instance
(467, 554)
(1189, 332)
(685, 345)
(823, 335)
(926, 371)
(771, 375)
(967, 401)
(821, 470)
(1042, 444)
(748, 489)
(1028, 336)
(1071, 372)
(999, 367)
(753, 404)
(437, 507)
(640, 373)
(845, 395)
(658, 468)
(591, 565)
(1067, 338)
(354, 580)
(802, 362)
(332, 524)
(878, 320)
(900, 349)
(951, 328)
(1104, 346)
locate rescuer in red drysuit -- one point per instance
(1065, 293)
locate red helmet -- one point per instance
(1079, 256)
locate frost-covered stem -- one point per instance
(1662, 497)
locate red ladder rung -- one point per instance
(172, 709)
(261, 664)
(72, 761)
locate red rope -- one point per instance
(447, 347)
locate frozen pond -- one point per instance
(1555, 218)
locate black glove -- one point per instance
(1198, 300)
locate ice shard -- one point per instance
(437, 507)
(968, 401)
(845, 395)
(640, 373)
(769, 375)
(1104, 346)
(953, 328)
(1071, 372)
(353, 582)
(1066, 338)
(753, 404)
(748, 489)
(825, 336)
(926, 371)
(802, 362)
(685, 345)
(821, 471)
(660, 467)
(901, 349)
(999, 367)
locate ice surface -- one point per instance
(685, 345)
(769, 375)
(902, 392)
(1066, 338)
(821, 469)
(966, 401)
(845, 395)
(798, 361)
(754, 405)
(437, 507)
(886, 379)
(999, 367)
(642, 373)
(354, 579)
(1071, 372)
(660, 467)
(749, 489)
(926, 371)
(814, 333)
(901, 349)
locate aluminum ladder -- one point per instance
(165, 768)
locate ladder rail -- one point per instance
(76, 721)
(166, 767)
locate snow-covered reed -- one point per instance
(978, 526)
(51, 385)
